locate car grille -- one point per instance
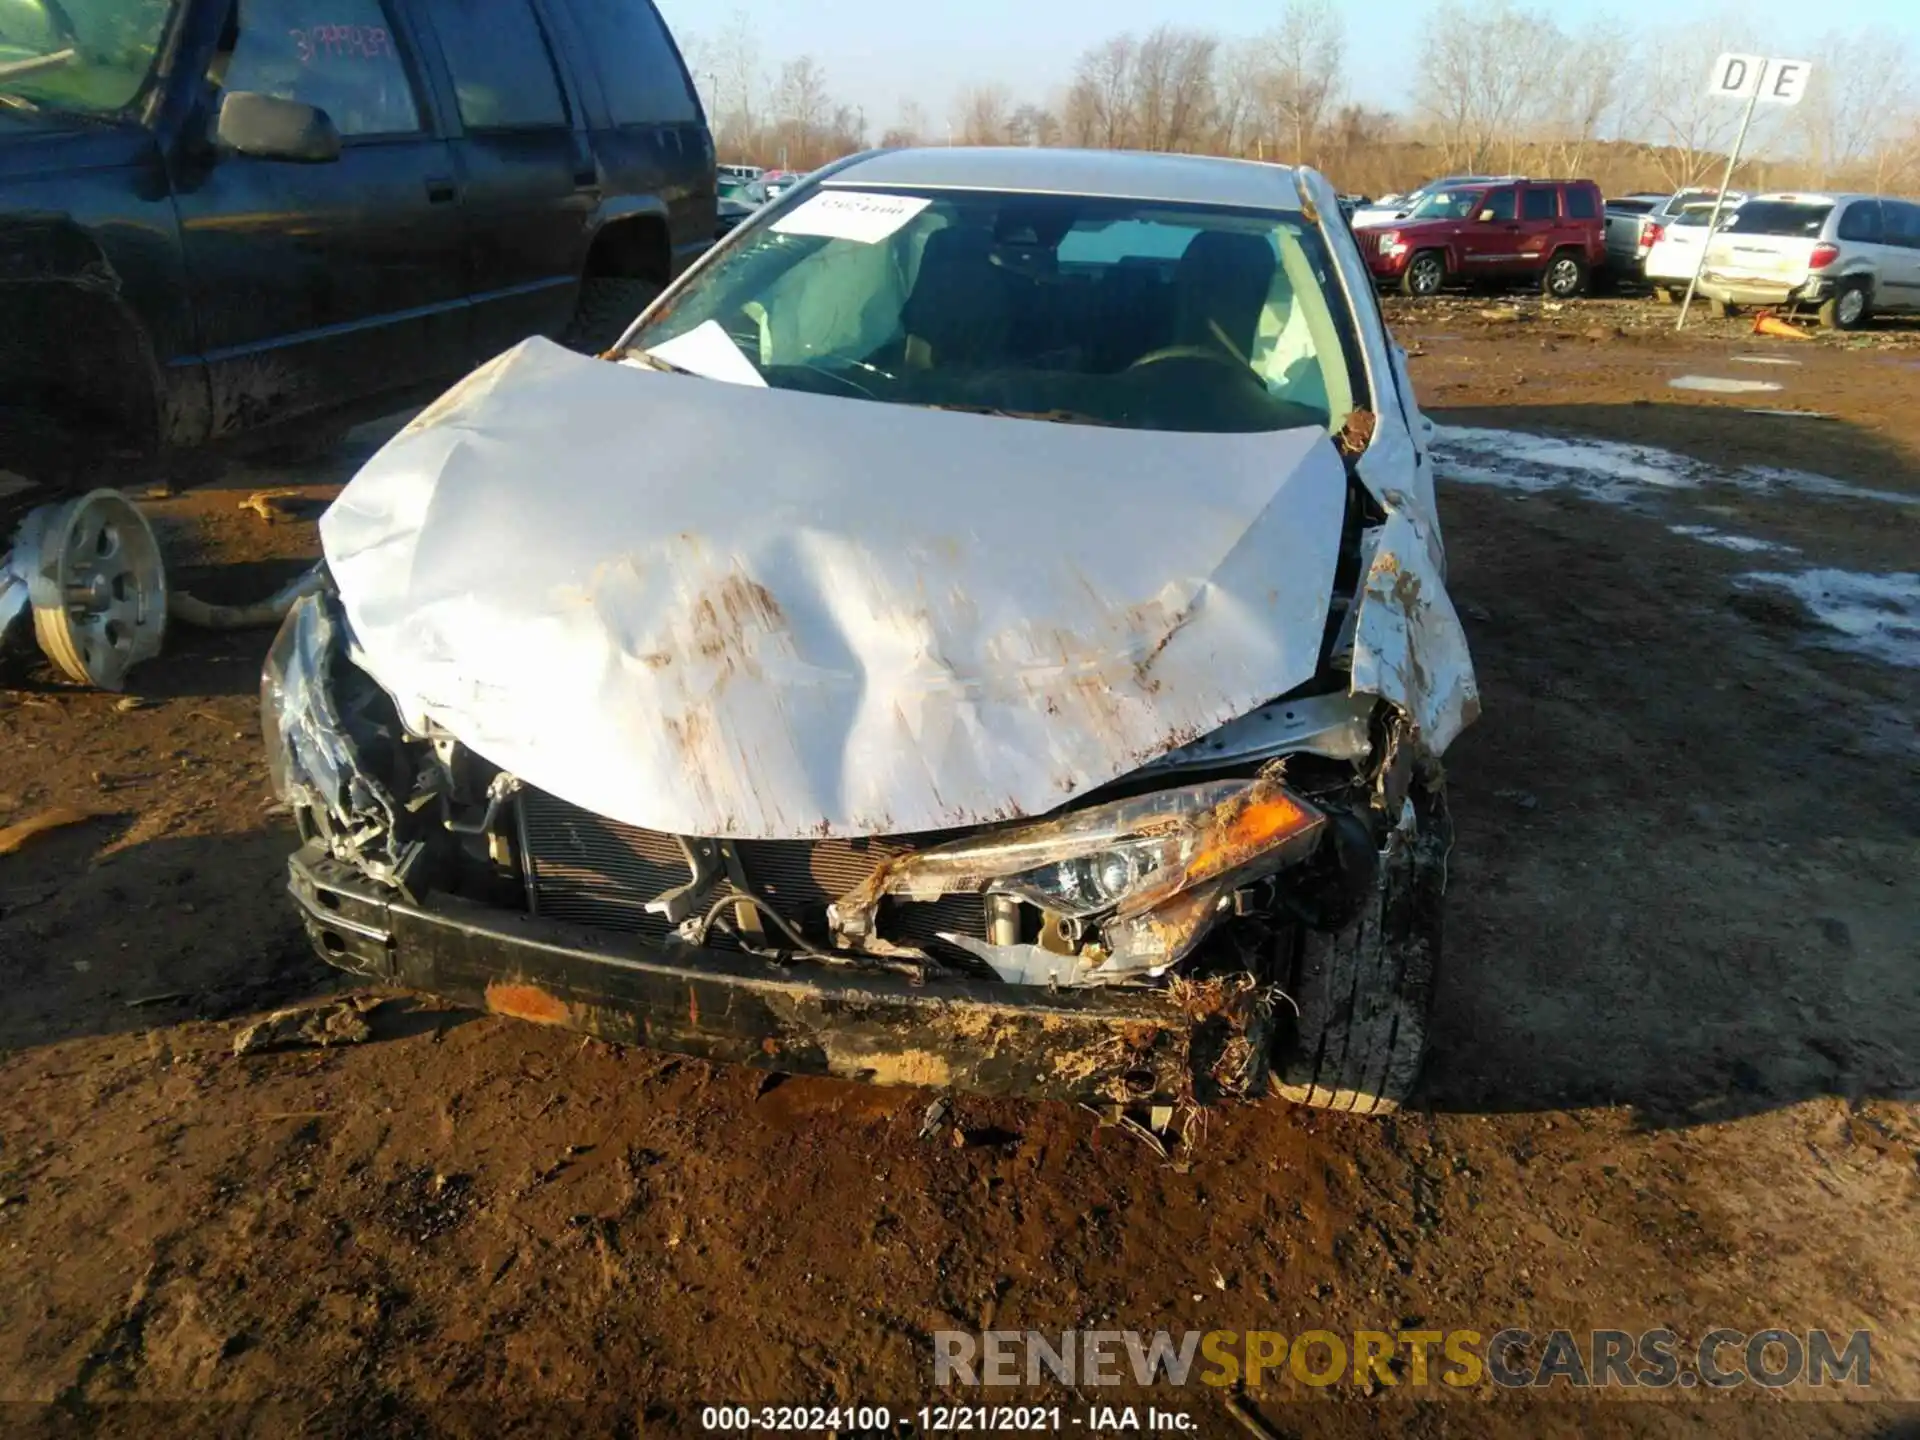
(587, 869)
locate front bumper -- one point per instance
(978, 1036)
(1385, 265)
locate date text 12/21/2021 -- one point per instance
(940, 1419)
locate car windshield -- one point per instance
(1447, 205)
(1097, 311)
(87, 57)
(1779, 217)
(1698, 213)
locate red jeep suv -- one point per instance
(1549, 230)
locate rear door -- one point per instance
(1901, 241)
(1768, 240)
(527, 177)
(318, 285)
(1539, 226)
(656, 141)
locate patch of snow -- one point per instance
(1746, 544)
(1719, 385)
(1874, 615)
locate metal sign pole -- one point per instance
(1713, 222)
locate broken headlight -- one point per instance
(334, 747)
(1120, 859)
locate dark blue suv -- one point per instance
(236, 218)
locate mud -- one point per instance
(1676, 1041)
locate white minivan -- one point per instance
(1847, 255)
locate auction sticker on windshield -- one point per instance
(851, 215)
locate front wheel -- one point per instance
(1425, 274)
(1362, 993)
(607, 305)
(1847, 310)
(1566, 277)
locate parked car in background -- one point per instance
(1548, 231)
(1626, 219)
(702, 659)
(223, 221)
(1636, 223)
(1389, 208)
(1846, 256)
(739, 174)
(1673, 257)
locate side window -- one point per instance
(1861, 221)
(1497, 206)
(502, 69)
(1580, 203)
(1538, 204)
(1900, 223)
(639, 68)
(337, 55)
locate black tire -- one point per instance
(1848, 307)
(607, 306)
(1425, 274)
(1364, 991)
(1565, 277)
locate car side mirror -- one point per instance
(270, 128)
(1486, 217)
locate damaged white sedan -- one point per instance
(983, 627)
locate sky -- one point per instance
(878, 52)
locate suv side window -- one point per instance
(1580, 203)
(1497, 206)
(503, 77)
(349, 67)
(1537, 204)
(1861, 221)
(639, 67)
(1900, 223)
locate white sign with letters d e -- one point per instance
(1774, 82)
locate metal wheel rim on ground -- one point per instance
(99, 589)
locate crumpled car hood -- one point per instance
(715, 610)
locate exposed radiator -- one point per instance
(587, 869)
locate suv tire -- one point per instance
(607, 305)
(1848, 307)
(1426, 272)
(1565, 277)
(1363, 992)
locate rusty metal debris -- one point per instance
(326, 1024)
(18, 836)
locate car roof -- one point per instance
(1106, 174)
(1801, 197)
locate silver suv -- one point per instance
(1847, 255)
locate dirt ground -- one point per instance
(1673, 1084)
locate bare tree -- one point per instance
(803, 112)
(909, 129)
(980, 115)
(1588, 94)
(1100, 105)
(1862, 91)
(1483, 71)
(1297, 74)
(1685, 131)
(738, 84)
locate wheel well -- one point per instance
(632, 249)
(78, 376)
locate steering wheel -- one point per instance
(1189, 352)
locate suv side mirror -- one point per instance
(271, 128)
